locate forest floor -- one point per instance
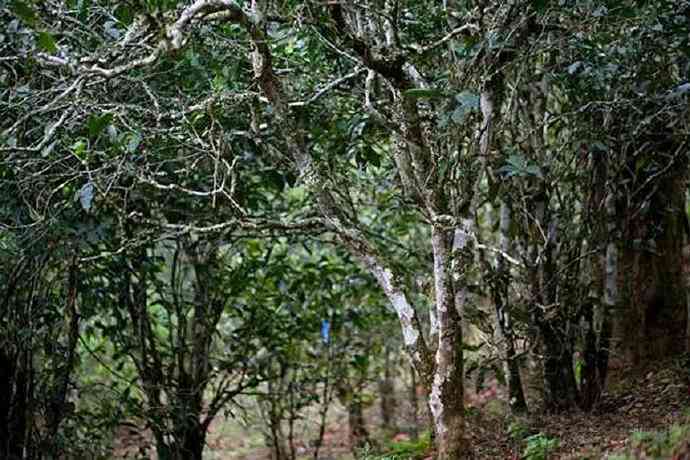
(640, 414)
(642, 411)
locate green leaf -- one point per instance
(420, 93)
(24, 12)
(84, 8)
(369, 155)
(124, 14)
(274, 179)
(97, 124)
(360, 361)
(47, 43)
(79, 149)
(539, 5)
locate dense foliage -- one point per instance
(213, 200)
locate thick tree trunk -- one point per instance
(651, 322)
(191, 444)
(188, 444)
(560, 389)
(189, 433)
(559, 378)
(665, 315)
(447, 388)
(516, 396)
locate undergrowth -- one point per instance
(671, 443)
(400, 450)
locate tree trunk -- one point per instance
(560, 390)
(611, 297)
(188, 444)
(665, 315)
(516, 396)
(589, 387)
(276, 441)
(603, 297)
(191, 443)
(447, 388)
(414, 404)
(444, 376)
(559, 378)
(651, 322)
(359, 436)
(57, 405)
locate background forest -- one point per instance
(435, 229)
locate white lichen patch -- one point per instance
(410, 335)
(436, 405)
(399, 302)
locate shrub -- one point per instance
(538, 447)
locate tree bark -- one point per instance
(187, 444)
(447, 388)
(57, 404)
(603, 295)
(611, 297)
(516, 396)
(651, 322)
(414, 403)
(559, 378)
(560, 389)
(193, 442)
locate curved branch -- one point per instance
(175, 37)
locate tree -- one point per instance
(385, 126)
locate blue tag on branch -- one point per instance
(325, 331)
